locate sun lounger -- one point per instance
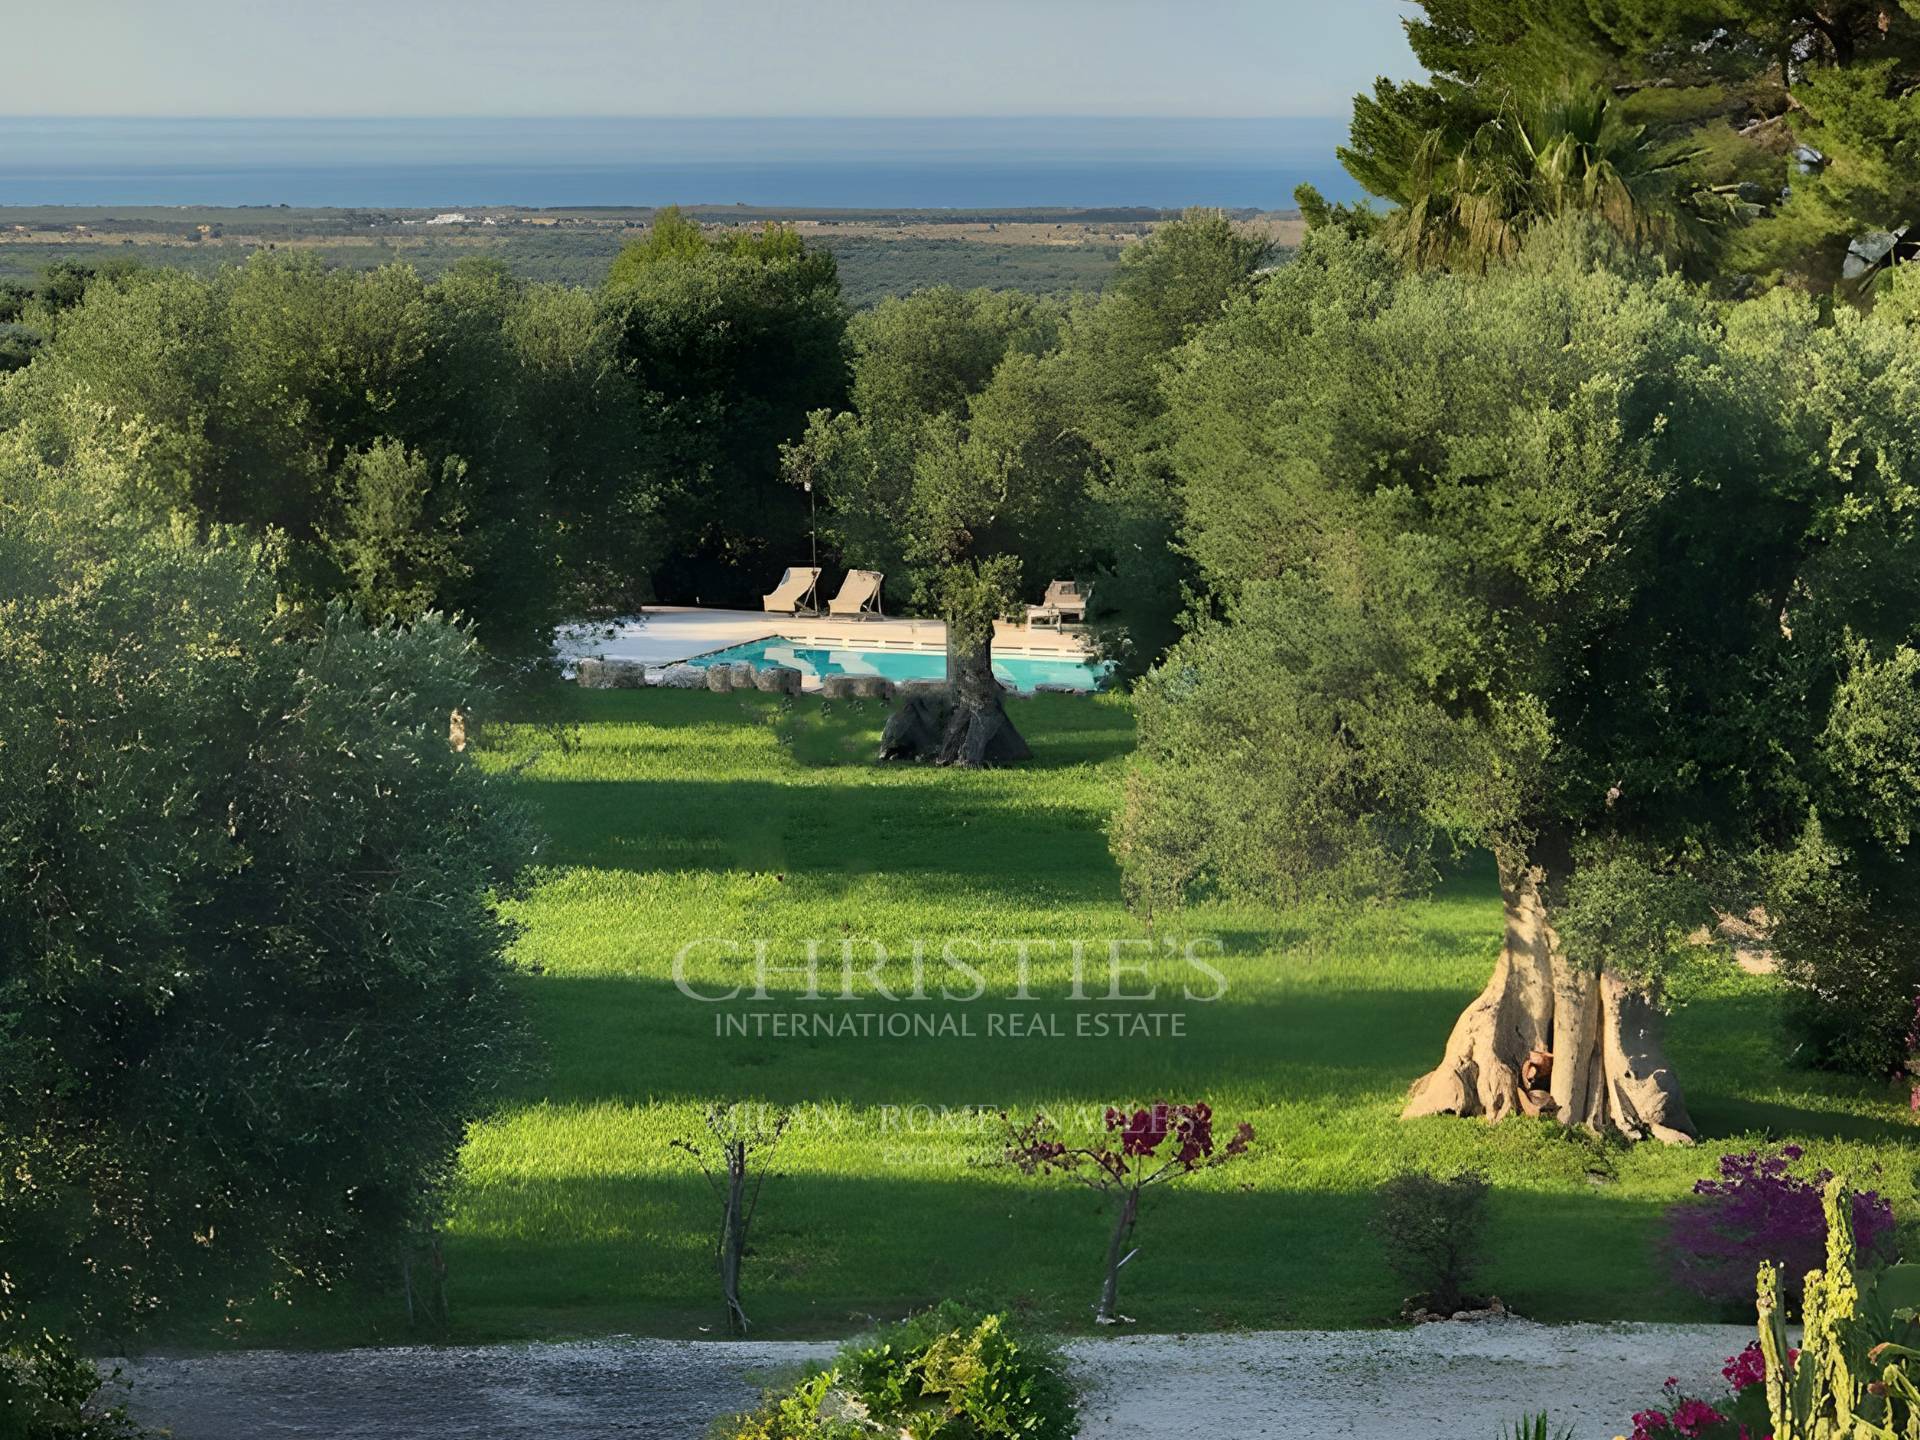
(794, 593)
(859, 594)
(1064, 600)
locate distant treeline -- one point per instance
(482, 441)
(473, 443)
(870, 268)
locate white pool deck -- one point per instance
(667, 634)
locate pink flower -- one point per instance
(1747, 1369)
(1690, 1417)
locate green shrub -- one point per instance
(957, 1375)
(791, 1414)
(253, 986)
(49, 1391)
(949, 1373)
(1433, 1233)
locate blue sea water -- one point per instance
(815, 662)
(850, 163)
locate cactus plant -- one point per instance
(1831, 1391)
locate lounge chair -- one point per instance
(1064, 598)
(859, 594)
(795, 592)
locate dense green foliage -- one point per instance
(418, 446)
(1791, 129)
(986, 425)
(476, 445)
(253, 989)
(48, 1391)
(729, 343)
(957, 456)
(512, 451)
(1566, 563)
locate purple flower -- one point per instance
(1760, 1210)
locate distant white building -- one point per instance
(452, 217)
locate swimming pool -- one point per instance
(814, 661)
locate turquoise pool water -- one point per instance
(815, 661)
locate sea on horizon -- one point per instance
(826, 163)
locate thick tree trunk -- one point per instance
(966, 725)
(1549, 1036)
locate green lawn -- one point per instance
(683, 816)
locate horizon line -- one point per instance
(1035, 115)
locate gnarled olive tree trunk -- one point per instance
(1551, 1036)
(965, 724)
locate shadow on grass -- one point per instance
(643, 1040)
(798, 828)
(627, 1039)
(832, 1254)
(1063, 730)
(1719, 1114)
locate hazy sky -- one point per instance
(697, 57)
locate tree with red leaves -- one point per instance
(1158, 1143)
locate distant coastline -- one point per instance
(880, 252)
(862, 164)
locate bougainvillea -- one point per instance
(1759, 1209)
(1741, 1414)
(1155, 1143)
(1747, 1369)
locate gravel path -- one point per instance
(1437, 1382)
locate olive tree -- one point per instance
(1112, 365)
(448, 446)
(726, 345)
(252, 977)
(1566, 564)
(959, 466)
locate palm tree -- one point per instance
(1572, 152)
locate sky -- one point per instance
(1211, 58)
